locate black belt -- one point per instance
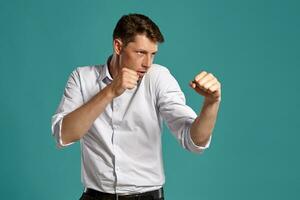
(155, 194)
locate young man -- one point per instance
(116, 110)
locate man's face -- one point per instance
(139, 54)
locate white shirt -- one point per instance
(122, 153)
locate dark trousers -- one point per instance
(87, 196)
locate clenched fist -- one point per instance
(208, 86)
(126, 79)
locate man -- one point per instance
(116, 110)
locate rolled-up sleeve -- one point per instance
(192, 146)
(172, 107)
(71, 99)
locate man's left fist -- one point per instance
(208, 86)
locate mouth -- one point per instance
(141, 73)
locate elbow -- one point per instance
(201, 143)
(201, 139)
(63, 136)
(61, 133)
(68, 136)
(63, 141)
(196, 144)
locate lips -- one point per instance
(141, 73)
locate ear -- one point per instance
(118, 46)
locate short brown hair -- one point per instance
(131, 25)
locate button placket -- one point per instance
(115, 126)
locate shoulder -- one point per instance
(87, 72)
(160, 78)
(155, 69)
(88, 69)
(157, 72)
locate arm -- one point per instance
(76, 124)
(74, 117)
(208, 86)
(203, 125)
(171, 104)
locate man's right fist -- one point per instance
(126, 79)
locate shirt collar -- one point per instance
(104, 72)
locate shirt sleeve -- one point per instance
(71, 99)
(173, 109)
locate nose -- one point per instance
(147, 62)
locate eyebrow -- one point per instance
(144, 51)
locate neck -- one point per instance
(113, 66)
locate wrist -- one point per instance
(109, 92)
(212, 101)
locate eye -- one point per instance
(140, 53)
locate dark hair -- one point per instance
(131, 25)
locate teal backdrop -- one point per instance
(251, 46)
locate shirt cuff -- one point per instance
(192, 146)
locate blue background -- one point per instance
(251, 46)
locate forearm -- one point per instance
(76, 124)
(203, 125)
